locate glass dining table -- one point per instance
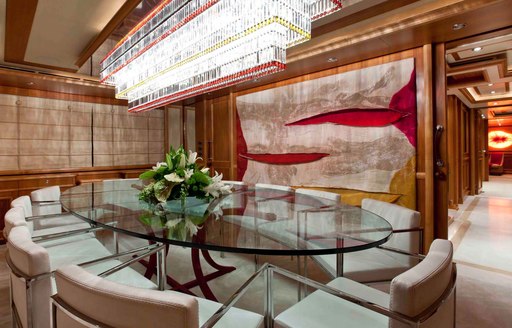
(250, 220)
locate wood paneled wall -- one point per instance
(467, 151)
(43, 133)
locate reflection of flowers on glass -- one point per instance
(175, 222)
(500, 139)
(179, 177)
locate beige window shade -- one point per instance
(40, 133)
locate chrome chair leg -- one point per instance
(269, 300)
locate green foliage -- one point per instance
(177, 177)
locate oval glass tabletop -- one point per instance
(249, 220)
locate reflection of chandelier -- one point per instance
(188, 47)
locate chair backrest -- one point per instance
(270, 199)
(233, 182)
(326, 197)
(47, 194)
(400, 218)
(272, 186)
(13, 218)
(419, 288)
(116, 305)
(23, 201)
(31, 298)
(497, 158)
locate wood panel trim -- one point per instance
(121, 14)
(440, 183)
(61, 96)
(428, 108)
(19, 18)
(74, 170)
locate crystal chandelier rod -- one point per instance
(187, 47)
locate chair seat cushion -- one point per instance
(367, 265)
(74, 250)
(234, 318)
(57, 229)
(126, 276)
(56, 221)
(324, 310)
(245, 221)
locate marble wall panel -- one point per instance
(80, 148)
(43, 116)
(129, 135)
(43, 162)
(44, 147)
(8, 162)
(130, 122)
(102, 120)
(102, 148)
(80, 133)
(9, 147)
(43, 132)
(102, 134)
(8, 131)
(130, 159)
(103, 160)
(80, 119)
(80, 161)
(8, 114)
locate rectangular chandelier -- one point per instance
(185, 48)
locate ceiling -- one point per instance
(64, 40)
(480, 74)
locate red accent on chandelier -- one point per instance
(137, 27)
(173, 29)
(285, 159)
(271, 67)
(361, 117)
(338, 6)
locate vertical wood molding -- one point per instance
(473, 166)
(232, 135)
(428, 215)
(441, 118)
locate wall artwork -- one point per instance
(353, 131)
(500, 138)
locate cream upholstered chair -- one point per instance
(376, 264)
(423, 296)
(46, 201)
(285, 231)
(268, 199)
(31, 266)
(85, 298)
(44, 219)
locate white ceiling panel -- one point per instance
(63, 28)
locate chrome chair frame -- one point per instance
(339, 256)
(157, 248)
(268, 270)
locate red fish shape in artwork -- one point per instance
(361, 117)
(286, 158)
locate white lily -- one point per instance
(205, 170)
(191, 227)
(159, 165)
(217, 187)
(173, 177)
(183, 161)
(192, 157)
(188, 174)
(172, 223)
